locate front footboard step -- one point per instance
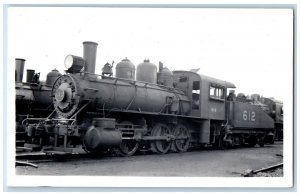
(61, 150)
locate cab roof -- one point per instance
(208, 79)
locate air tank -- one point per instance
(146, 72)
(52, 76)
(125, 69)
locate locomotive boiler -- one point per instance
(103, 95)
(157, 111)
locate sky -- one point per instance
(252, 48)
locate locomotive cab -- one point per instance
(208, 95)
(189, 83)
(208, 102)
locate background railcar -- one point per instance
(33, 97)
(275, 110)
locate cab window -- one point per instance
(183, 79)
(196, 95)
(216, 92)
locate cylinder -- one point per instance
(20, 63)
(97, 138)
(29, 75)
(89, 55)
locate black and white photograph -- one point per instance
(151, 95)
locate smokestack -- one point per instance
(89, 55)
(20, 63)
(30, 74)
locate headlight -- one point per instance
(74, 64)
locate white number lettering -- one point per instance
(253, 116)
(213, 109)
(247, 115)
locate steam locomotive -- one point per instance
(33, 97)
(160, 110)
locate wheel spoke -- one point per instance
(129, 147)
(182, 138)
(160, 146)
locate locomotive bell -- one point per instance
(107, 69)
(74, 64)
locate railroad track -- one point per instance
(32, 158)
(250, 172)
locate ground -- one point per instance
(200, 163)
(273, 173)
